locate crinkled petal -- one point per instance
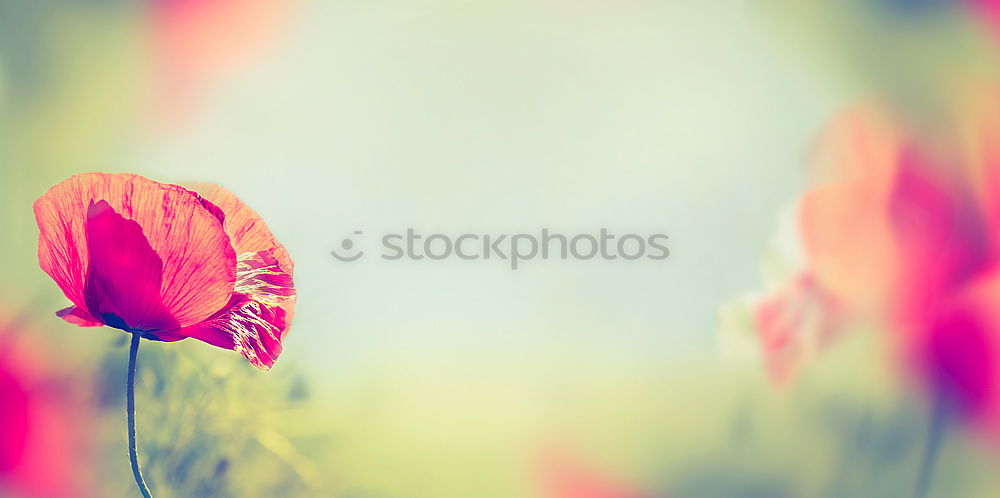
(247, 231)
(198, 261)
(257, 317)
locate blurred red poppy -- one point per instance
(891, 224)
(166, 262)
(564, 475)
(40, 453)
(902, 227)
(198, 41)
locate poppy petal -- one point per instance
(78, 317)
(940, 241)
(198, 262)
(956, 353)
(793, 323)
(257, 317)
(124, 274)
(247, 231)
(888, 227)
(846, 239)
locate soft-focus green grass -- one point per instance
(210, 425)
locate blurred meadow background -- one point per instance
(742, 366)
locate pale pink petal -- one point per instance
(78, 317)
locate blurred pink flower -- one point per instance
(196, 42)
(566, 476)
(43, 424)
(792, 324)
(904, 229)
(888, 226)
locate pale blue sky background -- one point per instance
(685, 118)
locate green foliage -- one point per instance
(209, 424)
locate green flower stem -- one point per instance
(936, 428)
(133, 456)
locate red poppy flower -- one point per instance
(166, 262)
